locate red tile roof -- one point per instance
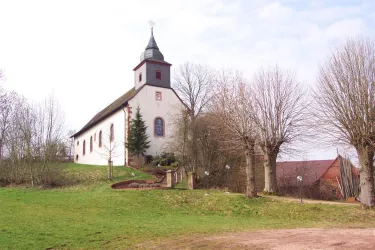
(311, 171)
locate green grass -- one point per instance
(102, 218)
(91, 175)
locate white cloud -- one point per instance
(85, 50)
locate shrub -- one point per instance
(149, 159)
(165, 159)
(134, 185)
(45, 175)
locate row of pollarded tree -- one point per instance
(273, 110)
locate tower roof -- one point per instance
(152, 43)
(152, 50)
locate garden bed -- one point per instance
(138, 185)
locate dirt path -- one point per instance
(308, 201)
(277, 239)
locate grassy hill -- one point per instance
(91, 215)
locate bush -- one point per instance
(149, 159)
(134, 185)
(32, 173)
(165, 159)
(144, 185)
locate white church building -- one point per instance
(108, 130)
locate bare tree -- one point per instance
(194, 84)
(345, 98)
(109, 150)
(280, 112)
(233, 108)
(33, 142)
(6, 107)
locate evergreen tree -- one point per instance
(138, 141)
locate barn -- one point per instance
(321, 179)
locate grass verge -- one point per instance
(101, 218)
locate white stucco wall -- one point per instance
(151, 108)
(99, 156)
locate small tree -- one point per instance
(109, 150)
(138, 141)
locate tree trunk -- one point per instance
(365, 156)
(109, 169)
(251, 191)
(270, 183)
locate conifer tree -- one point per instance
(138, 141)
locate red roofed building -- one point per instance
(321, 178)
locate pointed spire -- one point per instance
(152, 43)
(152, 50)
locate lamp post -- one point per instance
(299, 179)
(133, 175)
(227, 167)
(206, 173)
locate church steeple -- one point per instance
(152, 50)
(152, 70)
(152, 43)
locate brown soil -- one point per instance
(310, 201)
(277, 239)
(124, 185)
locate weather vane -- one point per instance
(152, 24)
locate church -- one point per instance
(106, 133)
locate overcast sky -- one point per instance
(85, 51)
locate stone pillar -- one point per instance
(191, 180)
(171, 180)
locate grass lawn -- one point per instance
(98, 217)
(91, 175)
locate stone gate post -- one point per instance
(171, 180)
(191, 180)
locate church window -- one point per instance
(95, 137)
(159, 128)
(91, 146)
(111, 133)
(100, 139)
(158, 74)
(140, 77)
(158, 96)
(77, 143)
(84, 148)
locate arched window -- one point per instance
(111, 133)
(140, 77)
(84, 148)
(159, 126)
(100, 139)
(91, 146)
(95, 137)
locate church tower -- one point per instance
(152, 69)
